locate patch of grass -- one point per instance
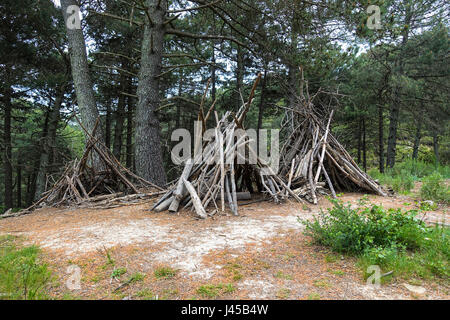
(429, 261)
(336, 272)
(169, 294)
(282, 275)
(331, 258)
(215, 290)
(109, 260)
(233, 270)
(434, 188)
(283, 293)
(321, 283)
(314, 296)
(70, 296)
(164, 273)
(136, 277)
(289, 256)
(145, 294)
(427, 206)
(22, 275)
(118, 272)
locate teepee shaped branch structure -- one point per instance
(313, 158)
(217, 176)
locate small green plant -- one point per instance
(22, 275)
(165, 273)
(282, 275)
(314, 296)
(331, 258)
(145, 294)
(136, 277)
(336, 272)
(434, 188)
(363, 200)
(427, 206)
(118, 272)
(283, 293)
(321, 283)
(215, 290)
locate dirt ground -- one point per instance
(262, 254)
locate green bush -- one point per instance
(434, 188)
(350, 230)
(392, 238)
(22, 275)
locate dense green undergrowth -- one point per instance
(394, 239)
(22, 275)
(402, 177)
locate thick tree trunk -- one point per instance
(7, 155)
(81, 78)
(148, 155)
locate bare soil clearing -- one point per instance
(261, 253)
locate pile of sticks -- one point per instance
(82, 186)
(216, 177)
(313, 158)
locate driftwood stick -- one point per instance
(322, 156)
(181, 190)
(233, 187)
(291, 173)
(229, 197)
(199, 209)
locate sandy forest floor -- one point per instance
(260, 255)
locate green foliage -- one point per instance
(136, 277)
(146, 294)
(401, 178)
(434, 188)
(22, 274)
(165, 273)
(117, 273)
(429, 260)
(392, 238)
(215, 290)
(350, 230)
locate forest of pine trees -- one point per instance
(141, 66)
